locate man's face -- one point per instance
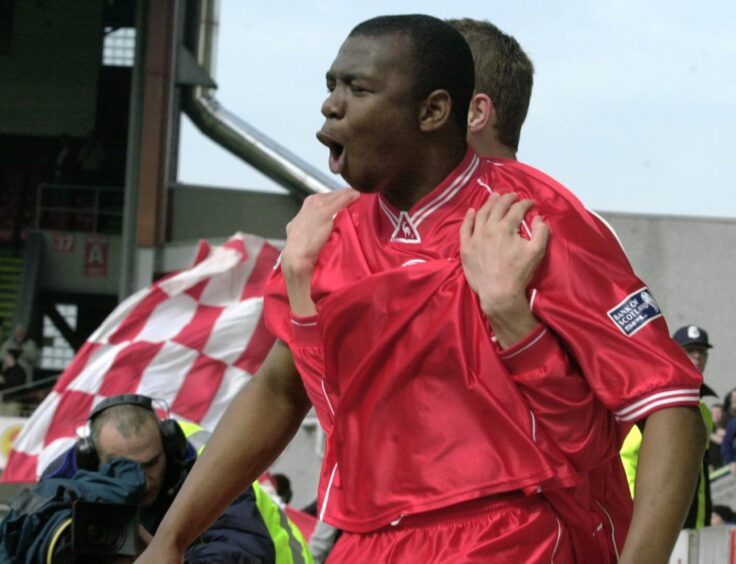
(371, 112)
(19, 333)
(698, 354)
(145, 448)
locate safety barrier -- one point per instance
(710, 545)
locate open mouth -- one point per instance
(336, 160)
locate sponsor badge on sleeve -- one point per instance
(635, 311)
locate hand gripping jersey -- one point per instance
(421, 407)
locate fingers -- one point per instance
(340, 199)
(517, 212)
(539, 235)
(485, 210)
(466, 229)
(501, 207)
(503, 210)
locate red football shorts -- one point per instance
(510, 528)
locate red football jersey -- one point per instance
(421, 408)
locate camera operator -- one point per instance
(252, 529)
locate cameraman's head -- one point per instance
(133, 432)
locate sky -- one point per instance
(633, 108)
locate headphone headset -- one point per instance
(173, 438)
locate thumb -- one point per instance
(342, 199)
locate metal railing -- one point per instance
(233, 133)
(28, 396)
(69, 207)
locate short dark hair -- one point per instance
(725, 513)
(442, 59)
(127, 419)
(503, 71)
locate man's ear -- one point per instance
(435, 110)
(481, 113)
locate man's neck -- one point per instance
(437, 162)
(486, 144)
(502, 151)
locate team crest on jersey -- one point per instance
(405, 231)
(635, 311)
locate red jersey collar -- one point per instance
(405, 224)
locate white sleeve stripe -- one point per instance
(303, 324)
(611, 229)
(651, 406)
(656, 396)
(527, 346)
(613, 529)
(327, 494)
(327, 398)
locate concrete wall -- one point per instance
(202, 213)
(689, 263)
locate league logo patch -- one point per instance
(635, 311)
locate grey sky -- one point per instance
(634, 103)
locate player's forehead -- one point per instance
(372, 56)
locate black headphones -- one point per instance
(172, 436)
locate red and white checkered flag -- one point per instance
(191, 340)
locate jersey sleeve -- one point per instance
(586, 291)
(307, 350)
(560, 399)
(301, 335)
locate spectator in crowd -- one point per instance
(19, 350)
(91, 159)
(253, 528)
(12, 375)
(324, 536)
(722, 515)
(65, 164)
(283, 487)
(729, 407)
(728, 444)
(715, 459)
(695, 343)
(716, 410)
